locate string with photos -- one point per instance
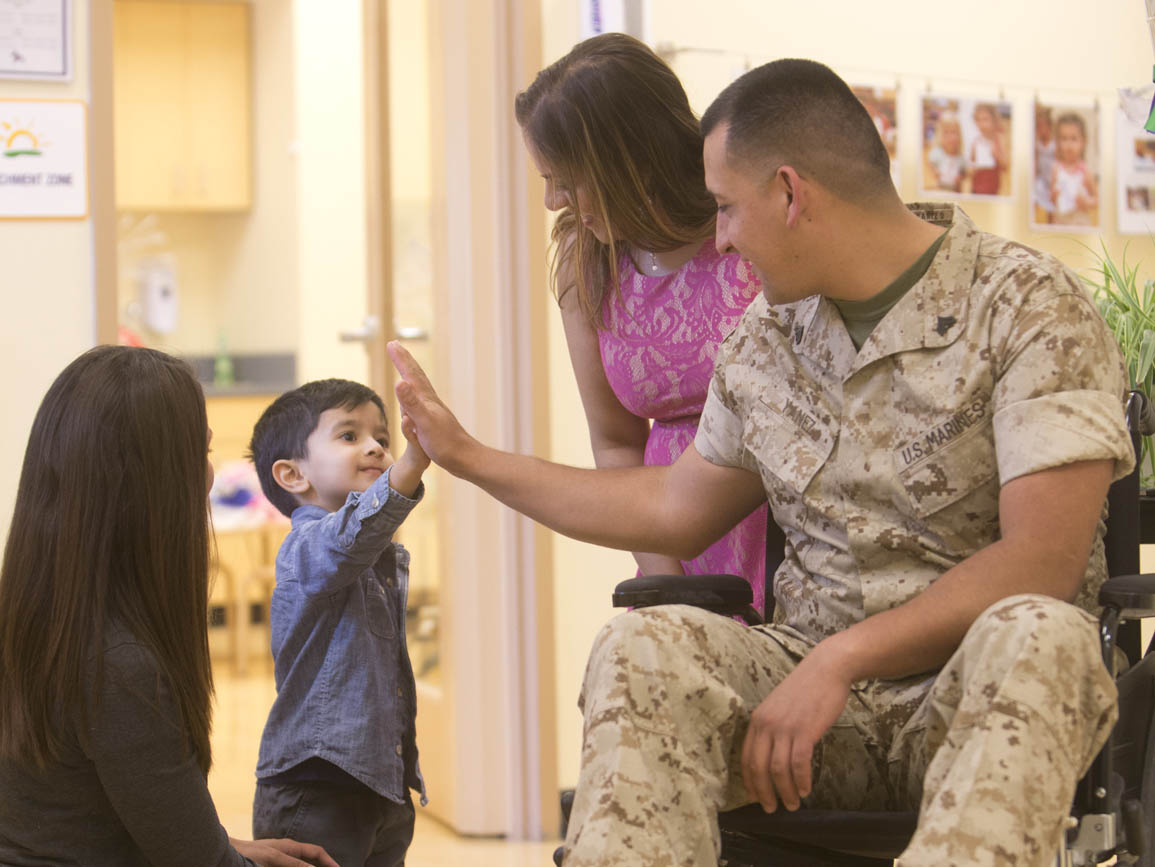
(670, 51)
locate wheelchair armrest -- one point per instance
(724, 594)
(1132, 595)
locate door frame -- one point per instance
(101, 172)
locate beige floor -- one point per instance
(243, 702)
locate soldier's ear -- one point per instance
(794, 189)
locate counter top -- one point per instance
(272, 373)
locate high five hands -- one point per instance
(437, 430)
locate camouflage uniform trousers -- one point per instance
(992, 746)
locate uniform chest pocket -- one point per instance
(790, 439)
(950, 473)
(379, 608)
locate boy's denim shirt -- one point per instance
(345, 690)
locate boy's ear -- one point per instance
(288, 475)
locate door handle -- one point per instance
(370, 328)
(411, 332)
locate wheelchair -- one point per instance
(1113, 814)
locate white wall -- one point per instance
(1024, 46)
(46, 290)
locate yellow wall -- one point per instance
(46, 290)
(409, 143)
(1028, 45)
(330, 177)
(410, 170)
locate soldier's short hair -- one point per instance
(800, 113)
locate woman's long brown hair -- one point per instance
(110, 527)
(612, 118)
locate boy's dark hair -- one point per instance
(800, 113)
(282, 432)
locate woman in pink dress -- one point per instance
(645, 297)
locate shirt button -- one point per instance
(399, 749)
(391, 582)
(376, 502)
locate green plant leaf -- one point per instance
(1146, 358)
(1128, 307)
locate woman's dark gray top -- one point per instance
(133, 796)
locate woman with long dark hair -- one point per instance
(645, 297)
(105, 682)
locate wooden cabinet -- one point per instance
(182, 106)
(231, 419)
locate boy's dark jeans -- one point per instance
(354, 824)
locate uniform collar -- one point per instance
(931, 314)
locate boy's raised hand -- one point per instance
(406, 473)
(437, 431)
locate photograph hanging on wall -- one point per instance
(966, 146)
(1065, 173)
(1135, 171)
(880, 103)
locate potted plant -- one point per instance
(1128, 305)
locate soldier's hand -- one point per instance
(784, 728)
(437, 430)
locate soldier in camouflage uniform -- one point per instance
(935, 439)
(883, 466)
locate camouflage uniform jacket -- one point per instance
(883, 466)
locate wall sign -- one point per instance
(34, 39)
(43, 159)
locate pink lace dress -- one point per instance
(658, 351)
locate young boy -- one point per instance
(339, 754)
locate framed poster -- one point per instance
(43, 159)
(1065, 169)
(966, 146)
(35, 39)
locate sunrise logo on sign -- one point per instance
(43, 158)
(20, 141)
